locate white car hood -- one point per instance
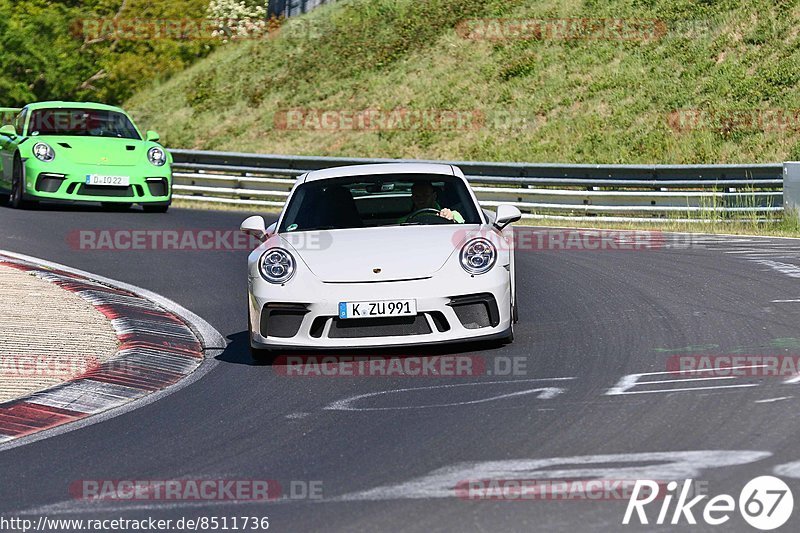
(401, 252)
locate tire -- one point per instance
(149, 208)
(114, 206)
(515, 308)
(508, 338)
(17, 199)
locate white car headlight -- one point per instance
(157, 156)
(478, 256)
(277, 265)
(43, 152)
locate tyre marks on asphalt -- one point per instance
(779, 254)
(157, 349)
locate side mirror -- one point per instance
(506, 214)
(272, 228)
(8, 130)
(254, 226)
(152, 136)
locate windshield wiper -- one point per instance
(317, 228)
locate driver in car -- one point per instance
(423, 196)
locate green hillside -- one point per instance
(596, 96)
(56, 50)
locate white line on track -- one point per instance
(770, 400)
(623, 386)
(545, 393)
(745, 252)
(662, 381)
(788, 269)
(685, 389)
(792, 380)
(759, 252)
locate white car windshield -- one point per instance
(381, 200)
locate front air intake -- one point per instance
(476, 311)
(354, 328)
(282, 320)
(47, 182)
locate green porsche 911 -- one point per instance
(81, 152)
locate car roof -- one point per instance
(83, 105)
(383, 168)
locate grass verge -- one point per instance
(579, 99)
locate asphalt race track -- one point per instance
(389, 461)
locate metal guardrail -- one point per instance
(539, 190)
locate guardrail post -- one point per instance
(791, 186)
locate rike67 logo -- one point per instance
(765, 503)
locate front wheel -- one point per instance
(18, 200)
(515, 308)
(508, 338)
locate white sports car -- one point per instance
(381, 255)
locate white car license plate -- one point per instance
(377, 309)
(113, 181)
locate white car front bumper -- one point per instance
(303, 314)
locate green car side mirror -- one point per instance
(153, 136)
(8, 130)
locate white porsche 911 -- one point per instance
(381, 255)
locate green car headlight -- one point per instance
(43, 152)
(157, 156)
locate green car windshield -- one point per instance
(81, 122)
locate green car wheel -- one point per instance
(18, 200)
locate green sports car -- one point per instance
(81, 152)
